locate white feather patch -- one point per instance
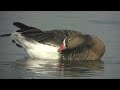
(64, 43)
(36, 49)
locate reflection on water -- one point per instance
(39, 68)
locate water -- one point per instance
(104, 24)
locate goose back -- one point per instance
(55, 37)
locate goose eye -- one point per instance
(69, 40)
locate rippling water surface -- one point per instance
(105, 25)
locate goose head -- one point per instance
(71, 42)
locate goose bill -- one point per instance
(62, 47)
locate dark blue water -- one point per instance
(105, 25)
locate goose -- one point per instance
(57, 44)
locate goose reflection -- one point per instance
(61, 68)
